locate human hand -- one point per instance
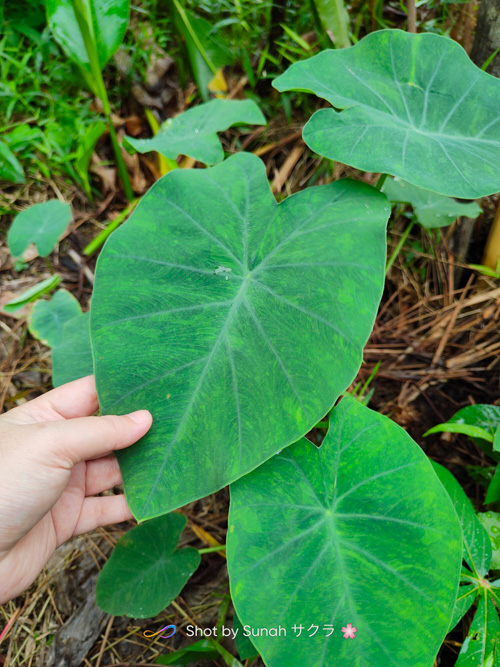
(54, 459)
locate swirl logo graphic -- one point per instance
(172, 628)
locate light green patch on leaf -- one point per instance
(326, 536)
(41, 224)
(32, 294)
(146, 571)
(491, 523)
(72, 358)
(194, 132)
(48, 318)
(431, 209)
(230, 309)
(414, 106)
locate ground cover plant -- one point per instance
(240, 322)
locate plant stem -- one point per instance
(49, 265)
(96, 243)
(403, 238)
(380, 183)
(86, 29)
(211, 550)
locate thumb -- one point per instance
(84, 438)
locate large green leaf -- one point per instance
(414, 106)
(481, 647)
(48, 318)
(41, 224)
(146, 571)
(108, 21)
(194, 132)
(431, 210)
(235, 321)
(359, 531)
(72, 358)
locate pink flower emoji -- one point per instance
(349, 632)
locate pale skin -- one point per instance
(54, 461)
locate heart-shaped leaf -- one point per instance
(431, 210)
(359, 532)
(108, 21)
(414, 106)
(194, 132)
(236, 321)
(48, 318)
(72, 358)
(41, 224)
(146, 571)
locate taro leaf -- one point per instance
(48, 318)
(481, 647)
(201, 650)
(32, 294)
(41, 224)
(243, 643)
(490, 521)
(194, 132)
(10, 169)
(108, 25)
(326, 536)
(72, 358)
(414, 106)
(217, 310)
(432, 210)
(477, 546)
(146, 571)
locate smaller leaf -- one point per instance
(10, 168)
(491, 523)
(493, 493)
(72, 358)
(194, 132)
(477, 546)
(32, 294)
(431, 209)
(85, 150)
(146, 571)
(244, 644)
(465, 429)
(202, 650)
(481, 648)
(41, 224)
(48, 318)
(467, 593)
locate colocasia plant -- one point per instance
(240, 323)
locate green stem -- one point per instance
(49, 265)
(401, 241)
(211, 550)
(187, 23)
(96, 243)
(97, 85)
(380, 183)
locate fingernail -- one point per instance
(140, 416)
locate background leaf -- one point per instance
(72, 358)
(41, 224)
(231, 310)
(358, 531)
(146, 571)
(414, 106)
(194, 132)
(32, 294)
(490, 521)
(10, 168)
(108, 24)
(432, 210)
(482, 645)
(48, 318)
